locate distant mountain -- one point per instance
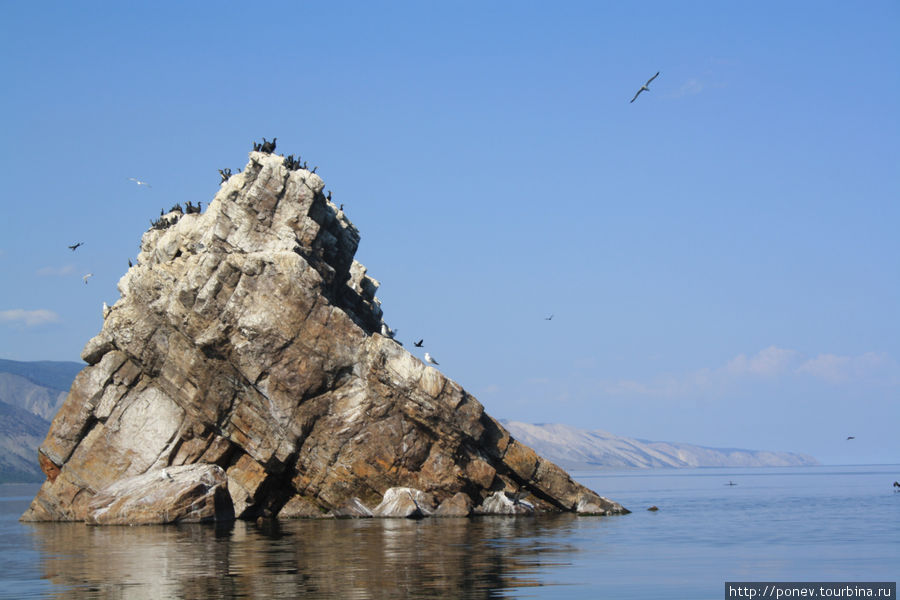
(21, 432)
(30, 395)
(574, 448)
(57, 375)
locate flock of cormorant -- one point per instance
(167, 219)
(164, 222)
(265, 147)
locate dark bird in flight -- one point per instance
(419, 344)
(850, 437)
(644, 87)
(74, 247)
(731, 483)
(897, 484)
(550, 318)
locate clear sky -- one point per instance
(721, 257)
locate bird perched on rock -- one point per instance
(387, 331)
(106, 310)
(268, 147)
(644, 87)
(74, 247)
(428, 358)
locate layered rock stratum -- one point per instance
(247, 342)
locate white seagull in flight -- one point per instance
(138, 181)
(644, 87)
(86, 277)
(431, 360)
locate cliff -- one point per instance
(246, 343)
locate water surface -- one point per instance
(787, 524)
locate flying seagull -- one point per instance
(431, 360)
(644, 87)
(139, 182)
(74, 247)
(419, 343)
(86, 277)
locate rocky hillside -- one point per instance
(20, 434)
(39, 387)
(576, 448)
(246, 353)
(30, 394)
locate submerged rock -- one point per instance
(501, 504)
(248, 337)
(405, 503)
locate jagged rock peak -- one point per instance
(247, 338)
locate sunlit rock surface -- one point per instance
(247, 337)
(187, 494)
(406, 503)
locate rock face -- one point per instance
(406, 503)
(187, 494)
(247, 337)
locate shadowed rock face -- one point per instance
(247, 337)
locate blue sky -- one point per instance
(721, 257)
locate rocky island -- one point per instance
(243, 373)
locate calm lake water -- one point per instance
(784, 524)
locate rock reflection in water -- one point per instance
(371, 558)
